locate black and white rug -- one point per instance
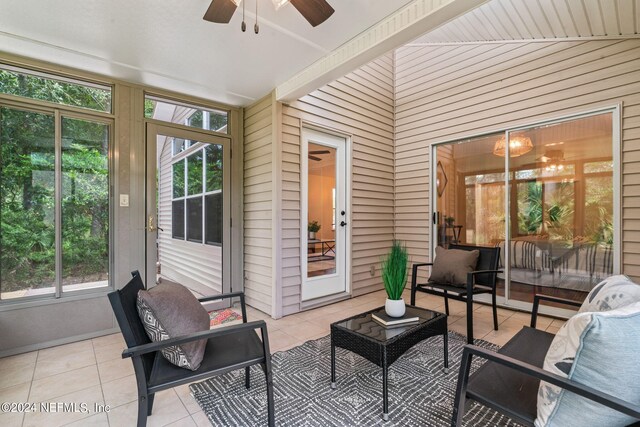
(420, 393)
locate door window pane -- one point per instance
(321, 242)
(85, 204)
(27, 204)
(194, 219)
(560, 211)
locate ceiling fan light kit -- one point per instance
(314, 11)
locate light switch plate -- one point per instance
(124, 200)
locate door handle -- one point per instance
(342, 223)
(151, 226)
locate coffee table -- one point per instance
(383, 346)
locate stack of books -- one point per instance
(390, 322)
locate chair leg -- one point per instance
(247, 377)
(270, 402)
(446, 303)
(469, 318)
(143, 411)
(150, 403)
(495, 310)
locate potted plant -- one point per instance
(449, 220)
(313, 228)
(394, 277)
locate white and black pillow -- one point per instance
(170, 310)
(612, 293)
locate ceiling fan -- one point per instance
(318, 152)
(314, 11)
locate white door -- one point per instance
(187, 209)
(324, 219)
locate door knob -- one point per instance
(150, 225)
(342, 223)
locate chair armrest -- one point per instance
(536, 304)
(221, 296)
(585, 391)
(243, 306)
(156, 346)
(421, 264)
(414, 271)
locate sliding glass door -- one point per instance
(544, 194)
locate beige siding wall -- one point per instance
(258, 197)
(450, 92)
(359, 104)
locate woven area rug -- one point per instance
(420, 393)
(218, 317)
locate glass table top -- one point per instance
(363, 324)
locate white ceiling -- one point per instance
(500, 20)
(167, 44)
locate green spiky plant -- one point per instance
(394, 270)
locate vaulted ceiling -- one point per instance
(499, 20)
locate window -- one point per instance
(197, 212)
(54, 188)
(58, 90)
(185, 114)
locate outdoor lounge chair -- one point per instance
(508, 382)
(228, 348)
(481, 281)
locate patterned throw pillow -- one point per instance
(170, 310)
(600, 350)
(612, 293)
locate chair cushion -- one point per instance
(612, 293)
(600, 350)
(450, 266)
(170, 311)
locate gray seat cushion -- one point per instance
(509, 391)
(170, 310)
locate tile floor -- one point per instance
(92, 371)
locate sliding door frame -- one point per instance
(506, 301)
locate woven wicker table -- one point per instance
(383, 346)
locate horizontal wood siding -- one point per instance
(258, 196)
(450, 92)
(359, 104)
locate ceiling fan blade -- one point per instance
(317, 159)
(314, 11)
(220, 11)
(319, 152)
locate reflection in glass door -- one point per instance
(187, 209)
(324, 235)
(552, 214)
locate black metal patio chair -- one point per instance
(228, 348)
(508, 382)
(481, 281)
